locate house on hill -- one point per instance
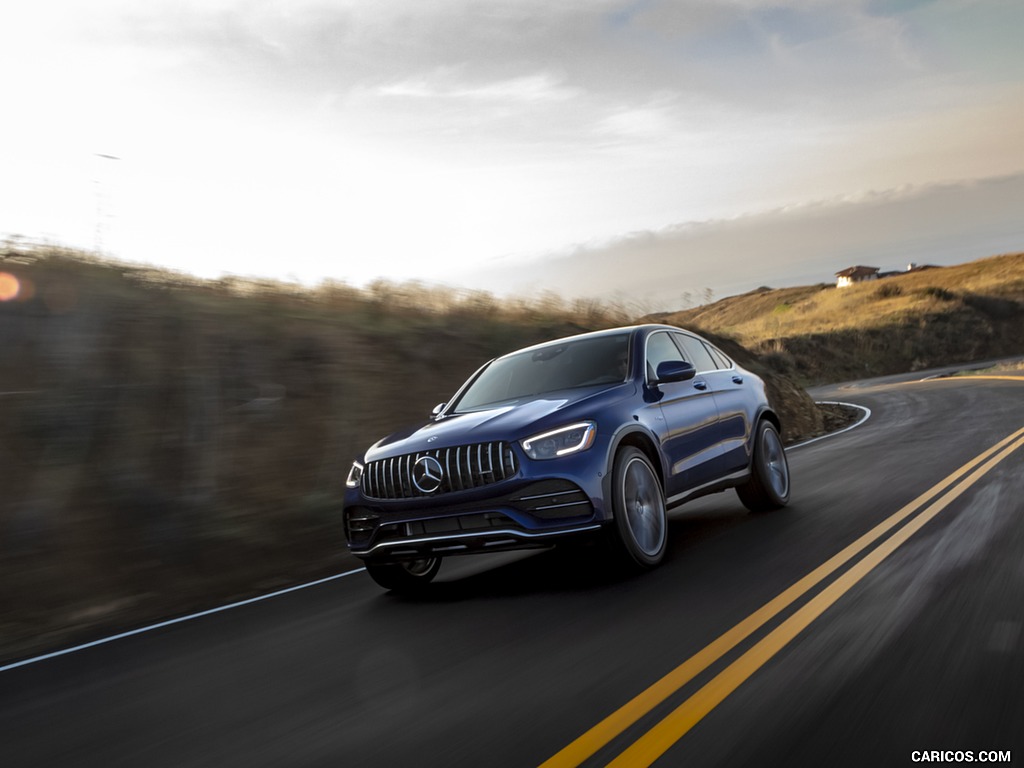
(911, 267)
(858, 274)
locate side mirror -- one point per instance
(437, 409)
(674, 370)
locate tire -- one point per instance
(640, 531)
(405, 577)
(768, 486)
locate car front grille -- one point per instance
(460, 468)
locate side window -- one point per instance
(659, 350)
(696, 353)
(722, 361)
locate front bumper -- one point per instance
(462, 542)
(530, 510)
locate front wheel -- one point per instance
(638, 504)
(407, 577)
(768, 486)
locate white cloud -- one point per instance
(801, 244)
(480, 130)
(447, 85)
(647, 122)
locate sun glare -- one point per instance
(9, 286)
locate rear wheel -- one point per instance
(768, 486)
(638, 504)
(409, 576)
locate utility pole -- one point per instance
(101, 212)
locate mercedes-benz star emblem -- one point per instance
(427, 474)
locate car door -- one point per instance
(732, 399)
(689, 417)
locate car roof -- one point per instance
(632, 329)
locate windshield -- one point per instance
(566, 365)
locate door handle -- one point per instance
(700, 384)
(737, 379)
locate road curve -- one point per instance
(880, 615)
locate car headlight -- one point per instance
(560, 442)
(355, 475)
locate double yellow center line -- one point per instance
(669, 730)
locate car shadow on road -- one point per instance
(579, 567)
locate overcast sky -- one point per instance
(467, 141)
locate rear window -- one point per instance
(720, 357)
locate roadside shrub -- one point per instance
(938, 293)
(888, 291)
(780, 362)
(993, 306)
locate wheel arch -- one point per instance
(637, 437)
(767, 413)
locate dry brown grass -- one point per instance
(1014, 368)
(907, 321)
(756, 317)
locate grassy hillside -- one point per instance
(905, 322)
(169, 444)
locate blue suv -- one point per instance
(596, 434)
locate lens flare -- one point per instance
(9, 286)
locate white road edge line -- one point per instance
(179, 620)
(865, 417)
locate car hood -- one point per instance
(508, 422)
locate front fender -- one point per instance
(635, 435)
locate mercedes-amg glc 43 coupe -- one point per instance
(592, 435)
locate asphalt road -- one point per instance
(881, 614)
